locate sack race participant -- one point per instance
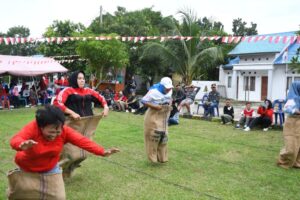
(72, 155)
(39, 145)
(76, 102)
(289, 155)
(158, 100)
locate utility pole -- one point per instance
(100, 17)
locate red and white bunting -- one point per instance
(136, 39)
(162, 39)
(124, 39)
(1, 40)
(237, 39)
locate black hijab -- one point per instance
(73, 79)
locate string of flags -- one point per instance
(224, 39)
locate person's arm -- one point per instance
(23, 139)
(83, 142)
(60, 101)
(102, 100)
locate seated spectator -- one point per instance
(133, 102)
(4, 97)
(178, 94)
(108, 95)
(174, 115)
(212, 101)
(26, 93)
(228, 113)
(120, 101)
(191, 92)
(246, 116)
(15, 97)
(266, 116)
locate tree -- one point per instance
(103, 55)
(63, 29)
(239, 28)
(185, 57)
(25, 49)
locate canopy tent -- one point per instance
(29, 66)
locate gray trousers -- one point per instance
(245, 121)
(226, 118)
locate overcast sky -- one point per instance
(271, 16)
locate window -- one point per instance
(229, 82)
(253, 59)
(249, 83)
(267, 58)
(246, 59)
(259, 59)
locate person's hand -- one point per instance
(75, 116)
(158, 107)
(27, 144)
(105, 111)
(111, 151)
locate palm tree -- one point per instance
(186, 57)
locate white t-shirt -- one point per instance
(156, 97)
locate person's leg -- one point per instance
(266, 122)
(227, 118)
(241, 122)
(255, 122)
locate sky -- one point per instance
(271, 16)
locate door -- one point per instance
(264, 87)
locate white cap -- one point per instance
(166, 82)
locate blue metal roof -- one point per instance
(262, 46)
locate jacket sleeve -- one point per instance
(79, 140)
(99, 97)
(26, 133)
(61, 99)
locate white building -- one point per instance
(259, 69)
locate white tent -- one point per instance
(29, 66)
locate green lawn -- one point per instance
(206, 161)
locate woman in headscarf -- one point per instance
(158, 100)
(76, 100)
(289, 156)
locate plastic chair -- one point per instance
(278, 105)
(202, 102)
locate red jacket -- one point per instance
(266, 112)
(79, 100)
(45, 155)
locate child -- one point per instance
(228, 111)
(246, 116)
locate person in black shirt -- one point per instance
(228, 111)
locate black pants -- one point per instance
(265, 122)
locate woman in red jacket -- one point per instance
(39, 145)
(266, 116)
(76, 100)
(41, 141)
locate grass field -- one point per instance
(206, 161)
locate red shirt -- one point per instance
(122, 98)
(248, 113)
(266, 112)
(43, 156)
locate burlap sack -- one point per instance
(156, 133)
(72, 155)
(290, 155)
(24, 186)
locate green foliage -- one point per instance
(63, 29)
(104, 55)
(26, 49)
(206, 160)
(239, 28)
(187, 58)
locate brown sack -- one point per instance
(290, 155)
(73, 155)
(24, 186)
(156, 133)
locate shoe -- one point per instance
(237, 126)
(247, 129)
(265, 129)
